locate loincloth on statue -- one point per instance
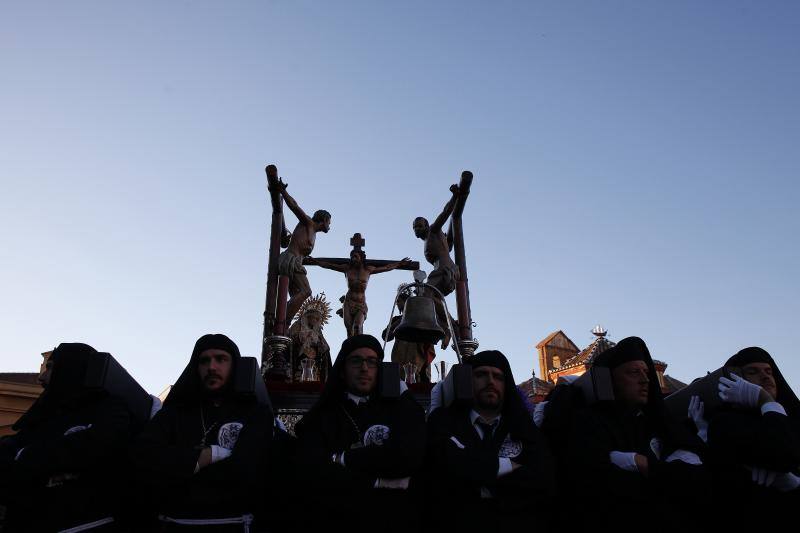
(290, 264)
(444, 279)
(354, 307)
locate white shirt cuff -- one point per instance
(538, 413)
(773, 407)
(624, 460)
(504, 466)
(685, 456)
(218, 453)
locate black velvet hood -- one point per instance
(635, 349)
(335, 387)
(786, 396)
(66, 388)
(514, 412)
(188, 389)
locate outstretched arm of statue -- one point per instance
(327, 265)
(292, 204)
(448, 210)
(390, 266)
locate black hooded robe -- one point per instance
(166, 453)
(741, 438)
(460, 469)
(62, 469)
(670, 498)
(382, 438)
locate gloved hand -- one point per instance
(739, 391)
(400, 483)
(696, 411)
(763, 477)
(218, 453)
(786, 482)
(781, 481)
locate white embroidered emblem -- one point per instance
(228, 434)
(75, 429)
(376, 435)
(510, 448)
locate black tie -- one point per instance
(488, 433)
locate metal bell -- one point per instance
(419, 322)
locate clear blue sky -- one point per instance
(636, 165)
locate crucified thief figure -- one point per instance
(290, 261)
(437, 253)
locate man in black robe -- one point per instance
(488, 466)
(61, 469)
(754, 442)
(202, 456)
(357, 449)
(637, 467)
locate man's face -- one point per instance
(421, 228)
(44, 373)
(214, 367)
(361, 371)
(325, 225)
(761, 375)
(488, 387)
(631, 384)
(355, 258)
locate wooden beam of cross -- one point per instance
(358, 242)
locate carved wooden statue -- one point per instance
(357, 270)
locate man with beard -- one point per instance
(58, 471)
(632, 459)
(754, 442)
(203, 454)
(358, 449)
(488, 466)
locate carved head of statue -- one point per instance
(421, 227)
(358, 257)
(323, 220)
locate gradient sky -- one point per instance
(636, 165)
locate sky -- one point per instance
(635, 163)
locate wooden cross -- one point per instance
(358, 242)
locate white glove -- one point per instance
(624, 460)
(696, 411)
(786, 482)
(739, 391)
(538, 414)
(763, 477)
(218, 453)
(437, 398)
(400, 483)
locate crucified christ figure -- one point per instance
(357, 271)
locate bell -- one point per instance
(419, 322)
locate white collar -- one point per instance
(474, 417)
(357, 399)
